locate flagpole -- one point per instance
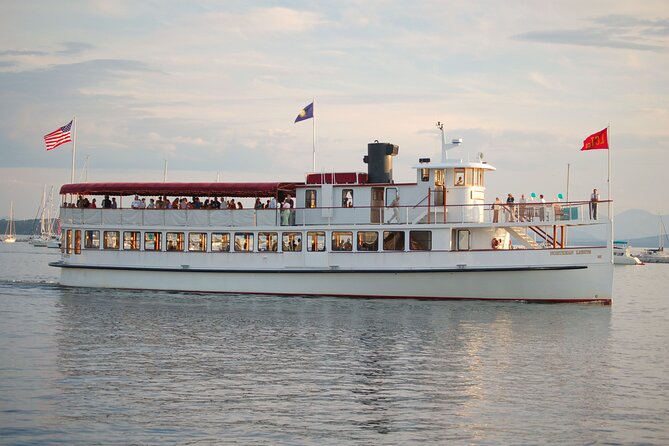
(74, 146)
(313, 129)
(608, 180)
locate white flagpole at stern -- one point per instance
(74, 146)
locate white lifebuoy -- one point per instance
(496, 243)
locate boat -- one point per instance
(622, 254)
(657, 255)
(45, 236)
(353, 234)
(10, 231)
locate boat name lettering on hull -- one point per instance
(571, 252)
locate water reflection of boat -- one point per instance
(622, 254)
(10, 231)
(658, 255)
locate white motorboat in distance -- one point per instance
(622, 254)
(354, 234)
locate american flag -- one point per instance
(58, 137)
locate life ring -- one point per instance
(496, 243)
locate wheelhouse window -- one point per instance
(342, 241)
(463, 237)
(347, 198)
(197, 241)
(111, 240)
(310, 198)
(268, 241)
(393, 240)
(220, 242)
(425, 174)
(175, 241)
(244, 241)
(459, 177)
(291, 241)
(131, 240)
(368, 241)
(316, 241)
(92, 240)
(77, 241)
(420, 240)
(152, 241)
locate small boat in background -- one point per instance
(622, 254)
(658, 255)
(10, 231)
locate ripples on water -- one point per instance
(91, 366)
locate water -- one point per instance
(137, 367)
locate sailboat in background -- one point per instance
(10, 231)
(46, 236)
(658, 255)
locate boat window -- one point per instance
(310, 198)
(291, 242)
(393, 240)
(342, 241)
(220, 242)
(92, 240)
(111, 240)
(463, 240)
(244, 241)
(131, 241)
(315, 241)
(368, 241)
(77, 241)
(197, 241)
(175, 241)
(459, 177)
(268, 241)
(67, 246)
(347, 198)
(469, 177)
(420, 240)
(152, 241)
(438, 177)
(425, 174)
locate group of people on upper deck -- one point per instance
(523, 210)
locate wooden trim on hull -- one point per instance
(59, 264)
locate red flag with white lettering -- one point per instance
(599, 140)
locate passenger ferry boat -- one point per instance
(355, 234)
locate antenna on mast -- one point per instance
(445, 147)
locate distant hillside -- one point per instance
(23, 227)
(641, 228)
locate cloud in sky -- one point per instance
(615, 31)
(215, 87)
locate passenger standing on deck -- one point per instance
(496, 206)
(285, 213)
(594, 198)
(509, 204)
(395, 205)
(542, 208)
(106, 203)
(113, 203)
(522, 211)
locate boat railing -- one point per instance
(532, 215)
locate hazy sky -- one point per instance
(213, 87)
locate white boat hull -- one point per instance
(560, 282)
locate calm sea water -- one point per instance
(94, 366)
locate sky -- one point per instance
(212, 88)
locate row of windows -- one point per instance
(247, 241)
(461, 176)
